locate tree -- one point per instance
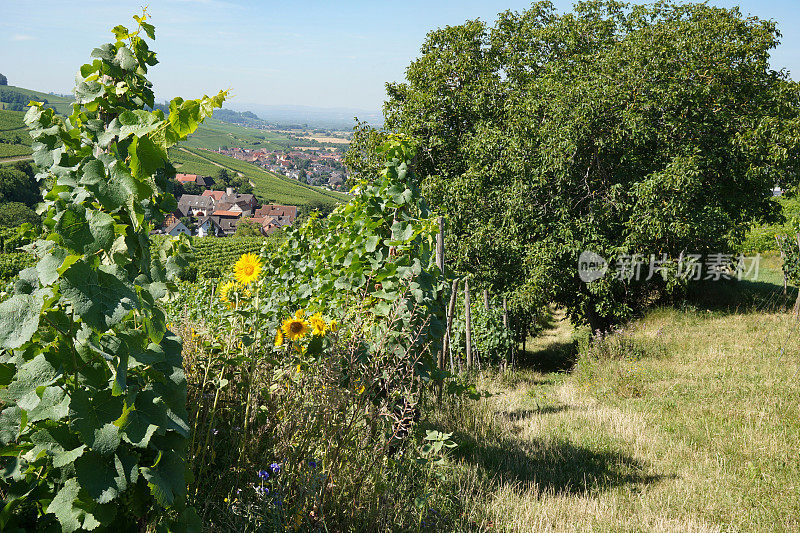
(17, 185)
(616, 129)
(247, 228)
(13, 214)
(3, 80)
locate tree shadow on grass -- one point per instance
(555, 466)
(558, 356)
(735, 297)
(522, 414)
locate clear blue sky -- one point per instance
(329, 54)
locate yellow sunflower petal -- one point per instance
(247, 269)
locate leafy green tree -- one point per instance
(3, 80)
(614, 128)
(246, 228)
(94, 424)
(18, 186)
(13, 214)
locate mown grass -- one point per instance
(685, 420)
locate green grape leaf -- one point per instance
(54, 405)
(141, 422)
(62, 459)
(38, 372)
(63, 506)
(166, 479)
(11, 419)
(19, 320)
(93, 419)
(99, 297)
(102, 477)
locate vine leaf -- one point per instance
(19, 320)
(94, 419)
(63, 506)
(99, 297)
(166, 478)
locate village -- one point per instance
(314, 165)
(220, 213)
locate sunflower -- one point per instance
(295, 328)
(224, 290)
(279, 338)
(247, 269)
(318, 324)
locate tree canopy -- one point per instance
(3, 80)
(614, 128)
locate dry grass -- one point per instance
(693, 424)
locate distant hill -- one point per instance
(17, 99)
(339, 118)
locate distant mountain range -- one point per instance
(313, 117)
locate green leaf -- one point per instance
(94, 419)
(54, 405)
(140, 423)
(102, 477)
(85, 231)
(63, 506)
(125, 59)
(166, 479)
(38, 372)
(10, 423)
(99, 297)
(19, 320)
(62, 459)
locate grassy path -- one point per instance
(687, 420)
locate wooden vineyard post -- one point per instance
(505, 327)
(451, 308)
(468, 324)
(486, 299)
(440, 264)
(783, 259)
(797, 302)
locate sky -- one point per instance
(313, 53)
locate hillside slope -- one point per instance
(267, 187)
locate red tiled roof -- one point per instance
(216, 195)
(186, 178)
(227, 213)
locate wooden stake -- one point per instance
(505, 327)
(451, 308)
(468, 321)
(440, 246)
(486, 299)
(783, 259)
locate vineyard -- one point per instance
(14, 138)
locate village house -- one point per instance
(177, 228)
(195, 205)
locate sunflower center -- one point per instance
(296, 327)
(249, 269)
